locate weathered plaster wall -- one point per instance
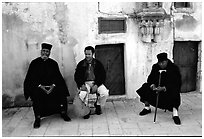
(70, 27)
(188, 23)
(139, 56)
(188, 27)
(24, 27)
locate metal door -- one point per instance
(111, 56)
(185, 55)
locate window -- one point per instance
(152, 4)
(182, 4)
(183, 7)
(113, 25)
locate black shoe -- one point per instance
(36, 123)
(144, 112)
(98, 109)
(65, 117)
(177, 120)
(87, 116)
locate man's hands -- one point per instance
(158, 89)
(93, 88)
(83, 88)
(51, 88)
(153, 87)
(47, 89)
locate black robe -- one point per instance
(45, 73)
(171, 79)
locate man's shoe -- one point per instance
(177, 120)
(144, 112)
(65, 117)
(36, 123)
(98, 109)
(87, 116)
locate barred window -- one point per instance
(182, 4)
(152, 4)
(113, 25)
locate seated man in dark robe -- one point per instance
(46, 87)
(169, 89)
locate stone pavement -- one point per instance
(119, 118)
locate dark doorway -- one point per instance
(112, 57)
(185, 55)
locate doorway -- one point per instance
(185, 55)
(112, 58)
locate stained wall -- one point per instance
(70, 27)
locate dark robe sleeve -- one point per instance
(153, 77)
(60, 82)
(174, 80)
(29, 82)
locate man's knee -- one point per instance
(103, 91)
(82, 94)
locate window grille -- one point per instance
(114, 25)
(152, 4)
(182, 4)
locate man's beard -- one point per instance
(89, 59)
(44, 57)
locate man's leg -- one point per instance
(103, 94)
(145, 94)
(147, 106)
(63, 109)
(36, 110)
(175, 116)
(84, 97)
(146, 109)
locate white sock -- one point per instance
(147, 107)
(175, 112)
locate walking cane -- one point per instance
(157, 100)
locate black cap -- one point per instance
(162, 57)
(46, 46)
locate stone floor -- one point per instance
(119, 118)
